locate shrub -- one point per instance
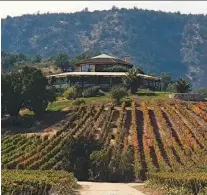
(78, 102)
(115, 69)
(37, 182)
(117, 93)
(69, 93)
(72, 93)
(180, 183)
(91, 92)
(202, 92)
(182, 85)
(59, 92)
(127, 101)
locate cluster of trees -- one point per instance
(89, 159)
(77, 156)
(115, 69)
(132, 82)
(13, 62)
(27, 88)
(181, 85)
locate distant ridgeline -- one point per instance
(157, 41)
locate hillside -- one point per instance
(107, 143)
(157, 41)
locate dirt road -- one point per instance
(96, 188)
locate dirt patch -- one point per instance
(102, 188)
(49, 134)
(50, 124)
(149, 191)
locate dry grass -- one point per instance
(149, 191)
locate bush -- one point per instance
(177, 183)
(59, 92)
(69, 93)
(91, 92)
(37, 182)
(115, 69)
(117, 93)
(78, 102)
(127, 101)
(72, 93)
(202, 92)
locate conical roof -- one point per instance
(104, 59)
(103, 56)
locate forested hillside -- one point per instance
(157, 41)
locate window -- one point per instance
(87, 68)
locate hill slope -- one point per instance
(157, 41)
(106, 143)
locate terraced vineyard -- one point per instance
(104, 142)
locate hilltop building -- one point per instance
(90, 72)
(100, 62)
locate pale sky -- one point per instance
(17, 8)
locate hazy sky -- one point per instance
(16, 8)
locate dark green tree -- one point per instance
(37, 58)
(37, 93)
(8, 61)
(182, 85)
(165, 80)
(100, 160)
(115, 69)
(62, 61)
(202, 92)
(132, 80)
(11, 93)
(78, 151)
(21, 57)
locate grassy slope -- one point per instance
(61, 103)
(153, 95)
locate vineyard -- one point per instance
(108, 143)
(37, 182)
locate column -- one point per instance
(110, 80)
(82, 81)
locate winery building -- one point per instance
(91, 72)
(101, 62)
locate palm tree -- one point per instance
(132, 80)
(182, 85)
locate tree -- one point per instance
(202, 92)
(37, 58)
(182, 85)
(11, 93)
(165, 80)
(132, 80)
(70, 93)
(117, 93)
(100, 160)
(21, 57)
(37, 93)
(8, 61)
(115, 69)
(62, 61)
(78, 151)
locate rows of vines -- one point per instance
(106, 143)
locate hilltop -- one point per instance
(157, 41)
